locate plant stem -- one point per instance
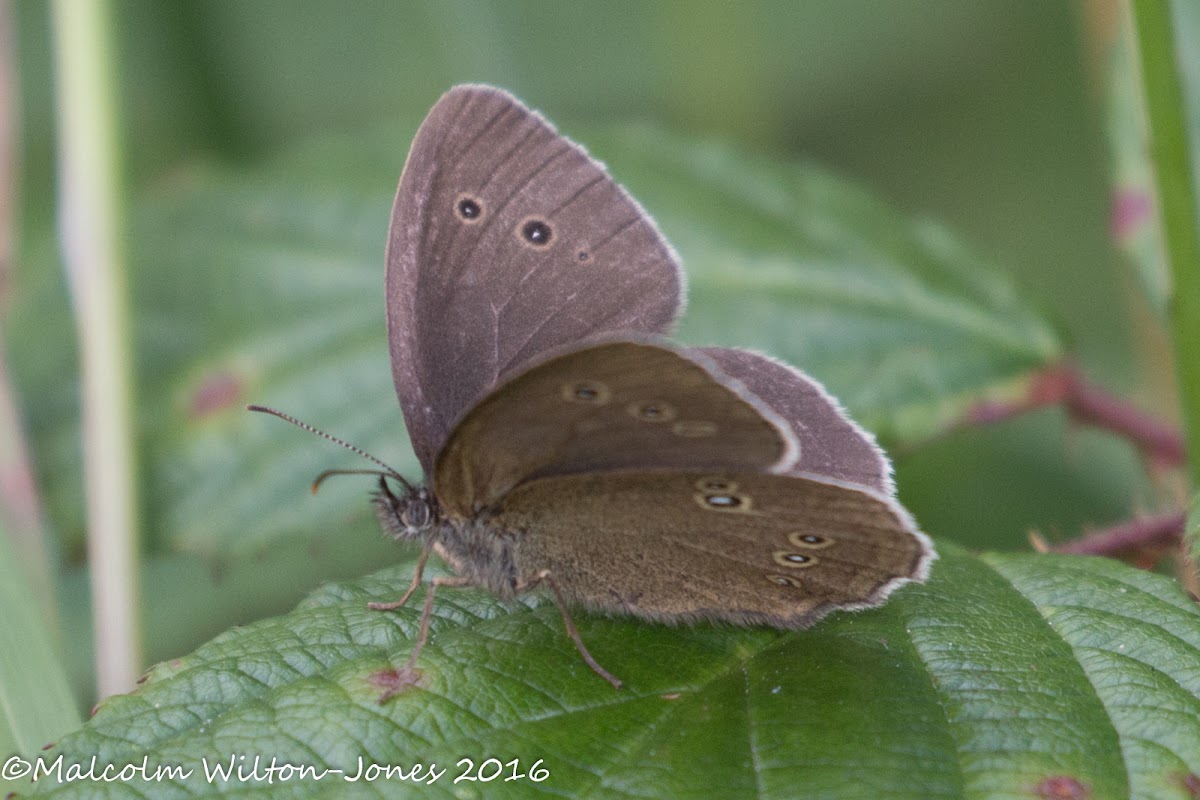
(1086, 403)
(1166, 112)
(1157, 531)
(90, 229)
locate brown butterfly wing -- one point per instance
(831, 444)
(506, 241)
(743, 548)
(612, 405)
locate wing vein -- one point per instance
(616, 232)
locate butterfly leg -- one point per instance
(395, 681)
(416, 581)
(427, 612)
(544, 577)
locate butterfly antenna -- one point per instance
(329, 473)
(329, 437)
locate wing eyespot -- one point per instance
(469, 208)
(809, 540)
(652, 411)
(535, 232)
(593, 393)
(728, 502)
(794, 560)
(785, 580)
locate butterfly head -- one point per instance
(407, 514)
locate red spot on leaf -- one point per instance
(394, 681)
(1130, 208)
(19, 491)
(1191, 782)
(48, 745)
(215, 393)
(1062, 787)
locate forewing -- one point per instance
(506, 241)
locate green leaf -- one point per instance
(1002, 677)
(1137, 223)
(1167, 60)
(266, 286)
(903, 323)
(1133, 635)
(35, 702)
(1134, 222)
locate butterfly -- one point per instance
(567, 443)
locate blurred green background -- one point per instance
(987, 116)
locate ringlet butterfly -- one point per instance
(565, 442)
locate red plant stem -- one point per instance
(1089, 404)
(1152, 532)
